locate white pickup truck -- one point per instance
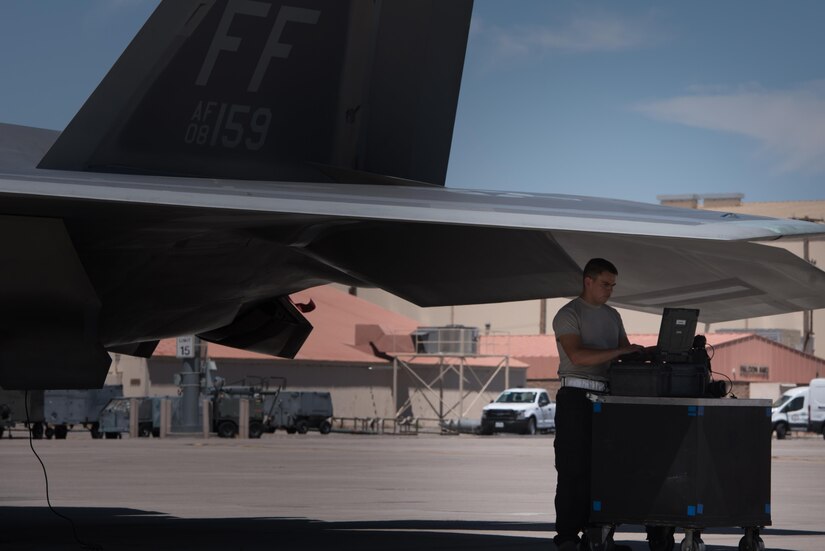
(521, 410)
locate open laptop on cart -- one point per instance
(672, 368)
(676, 334)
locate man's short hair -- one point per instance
(596, 266)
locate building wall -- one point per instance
(131, 372)
(758, 360)
(770, 391)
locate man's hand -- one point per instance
(631, 348)
(586, 357)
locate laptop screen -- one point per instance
(677, 330)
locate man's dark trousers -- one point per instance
(574, 413)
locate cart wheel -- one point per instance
(302, 427)
(49, 433)
(144, 430)
(661, 538)
(37, 431)
(324, 427)
(60, 432)
(95, 431)
(696, 545)
(693, 541)
(598, 538)
(757, 545)
(751, 540)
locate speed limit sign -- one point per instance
(186, 347)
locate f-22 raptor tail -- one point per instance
(266, 90)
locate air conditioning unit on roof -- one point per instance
(448, 340)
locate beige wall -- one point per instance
(131, 372)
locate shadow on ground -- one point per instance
(113, 529)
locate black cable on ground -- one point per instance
(81, 543)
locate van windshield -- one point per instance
(782, 400)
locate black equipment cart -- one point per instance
(693, 463)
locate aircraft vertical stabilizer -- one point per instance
(265, 90)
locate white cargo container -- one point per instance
(816, 406)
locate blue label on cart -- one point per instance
(767, 508)
(696, 411)
(691, 511)
(597, 505)
(597, 407)
(700, 509)
(768, 412)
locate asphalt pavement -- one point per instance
(340, 491)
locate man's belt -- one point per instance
(586, 384)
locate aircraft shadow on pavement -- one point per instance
(131, 529)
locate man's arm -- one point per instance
(586, 357)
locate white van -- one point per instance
(816, 407)
(790, 412)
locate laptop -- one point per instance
(672, 368)
(676, 335)
(677, 331)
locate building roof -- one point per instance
(335, 320)
(805, 210)
(343, 328)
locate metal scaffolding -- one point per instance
(433, 391)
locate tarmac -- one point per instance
(340, 491)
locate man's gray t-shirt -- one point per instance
(600, 327)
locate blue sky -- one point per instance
(620, 99)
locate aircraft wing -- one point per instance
(239, 152)
(441, 246)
